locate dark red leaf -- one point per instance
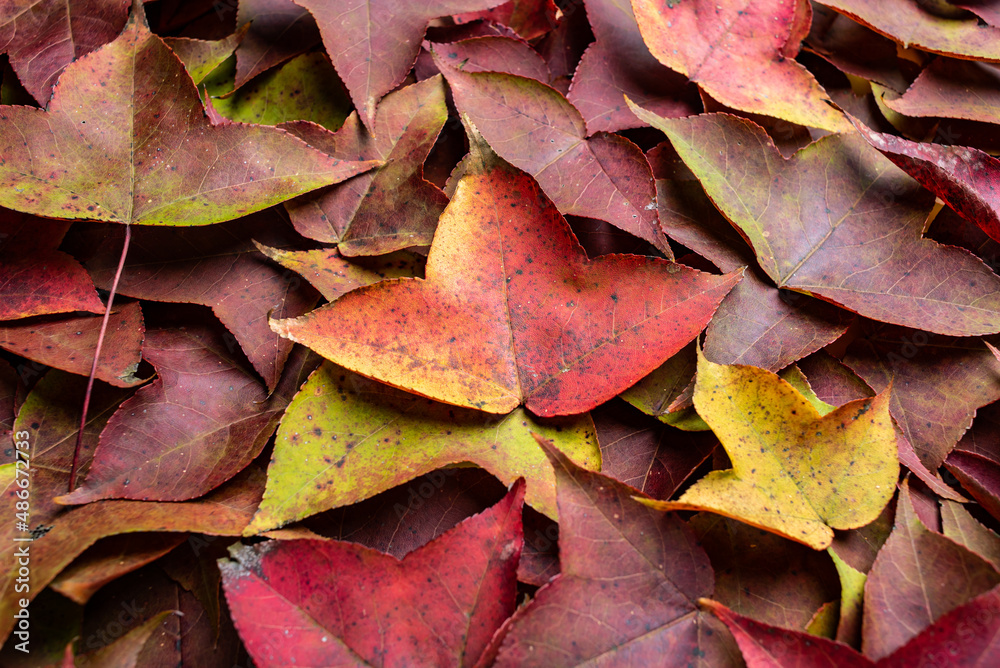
(441, 603)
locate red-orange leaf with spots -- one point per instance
(512, 311)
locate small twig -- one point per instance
(97, 357)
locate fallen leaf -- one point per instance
(200, 56)
(36, 278)
(666, 392)
(124, 652)
(979, 476)
(959, 525)
(341, 431)
(855, 49)
(619, 65)
(646, 454)
(536, 129)
(963, 177)
(795, 473)
(951, 88)
(912, 25)
(626, 594)
(771, 579)
(507, 287)
(43, 37)
(334, 276)
(81, 158)
(917, 577)
(402, 519)
(530, 19)
(219, 267)
(109, 559)
(840, 222)
(390, 208)
(278, 31)
(494, 54)
(742, 55)
(69, 344)
(303, 89)
(756, 324)
(224, 512)
(202, 421)
(938, 383)
(374, 43)
(442, 601)
(967, 636)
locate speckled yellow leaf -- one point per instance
(795, 472)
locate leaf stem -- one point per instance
(97, 357)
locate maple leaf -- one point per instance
(109, 559)
(939, 383)
(740, 54)
(952, 88)
(42, 37)
(219, 267)
(392, 207)
(762, 575)
(303, 89)
(374, 43)
(964, 178)
(277, 30)
(202, 421)
(111, 147)
(646, 454)
(626, 594)
(838, 221)
(619, 65)
(341, 430)
(960, 526)
(795, 471)
(334, 276)
(966, 636)
(756, 324)
(900, 601)
(534, 128)
(35, 277)
(224, 512)
(201, 57)
(530, 19)
(68, 344)
(507, 286)
(491, 53)
(442, 602)
(910, 24)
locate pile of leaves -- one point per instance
(471, 332)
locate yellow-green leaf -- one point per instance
(795, 472)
